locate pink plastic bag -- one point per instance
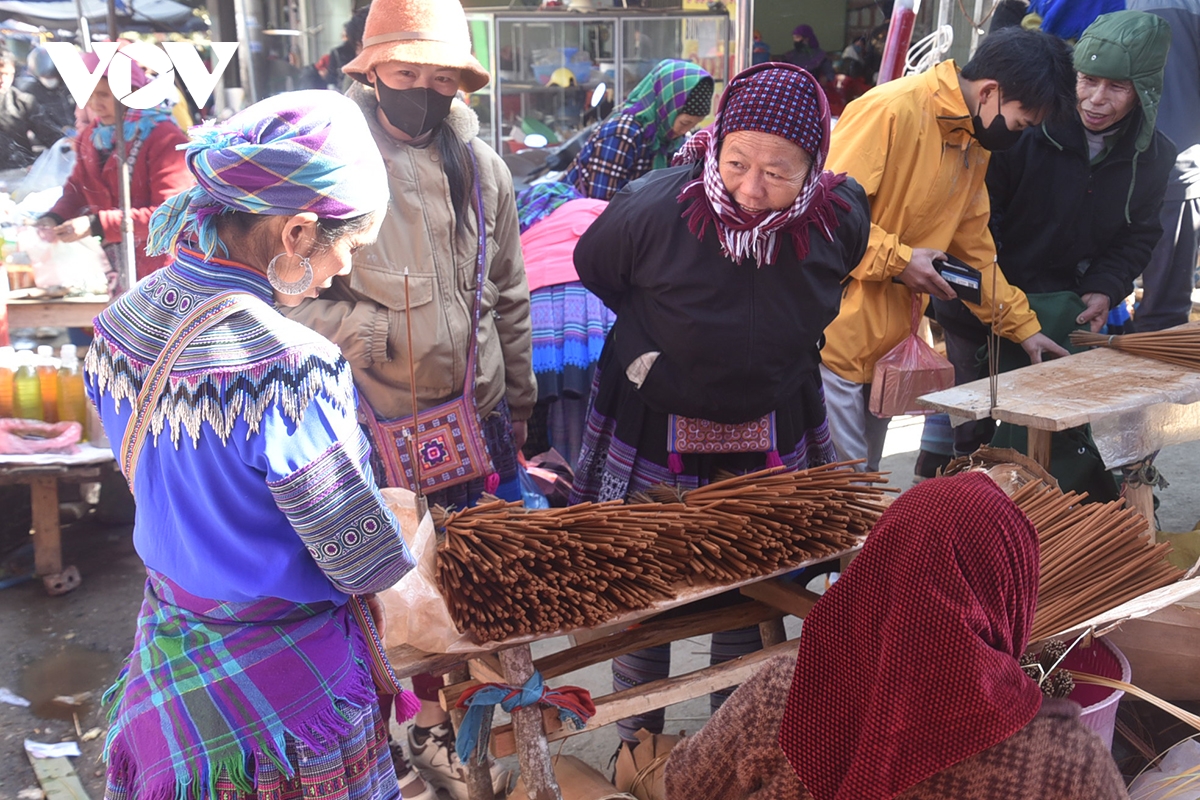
(909, 370)
(32, 437)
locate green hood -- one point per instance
(1129, 46)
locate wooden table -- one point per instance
(65, 312)
(768, 599)
(1136, 406)
(42, 474)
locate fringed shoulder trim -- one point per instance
(290, 376)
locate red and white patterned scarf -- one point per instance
(786, 101)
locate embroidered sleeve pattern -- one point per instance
(343, 521)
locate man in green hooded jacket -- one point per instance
(1075, 204)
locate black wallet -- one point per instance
(967, 282)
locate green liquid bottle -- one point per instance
(8, 366)
(27, 388)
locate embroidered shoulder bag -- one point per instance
(447, 439)
(202, 317)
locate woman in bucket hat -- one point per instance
(416, 58)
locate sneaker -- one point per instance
(436, 759)
(412, 787)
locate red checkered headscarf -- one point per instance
(908, 664)
(785, 101)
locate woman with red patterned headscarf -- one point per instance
(907, 682)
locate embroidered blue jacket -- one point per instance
(256, 482)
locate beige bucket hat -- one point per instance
(430, 32)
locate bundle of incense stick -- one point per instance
(1178, 346)
(1094, 557)
(505, 571)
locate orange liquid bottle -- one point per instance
(72, 402)
(47, 371)
(8, 367)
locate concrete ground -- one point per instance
(73, 645)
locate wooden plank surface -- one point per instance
(408, 661)
(58, 779)
(1069, 392)
(64, 313)
(648, 696)
(647, 634)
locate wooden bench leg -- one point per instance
(47, 538)
(533, 752)
(1039, 446)
(479, 777)
(772, 632)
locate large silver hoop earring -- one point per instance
(290, 287)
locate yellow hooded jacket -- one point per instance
(908, 143)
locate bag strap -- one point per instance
(916, 312)
(385, 679)
(201, 318)
(480, 271)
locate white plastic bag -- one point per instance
(416, 613)
(50, 170)
(78, 266)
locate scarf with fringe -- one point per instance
(785, 101)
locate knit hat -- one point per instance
(294, 152)
(430, 32)
(773, 98)
(1129, 46)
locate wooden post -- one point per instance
(533, 752)
(1140, 497)
(1039, 446)
(47, 535)
(772, 632)
(479, 776)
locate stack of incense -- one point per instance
(1178, 346)
(506, 571)
(1094, 557)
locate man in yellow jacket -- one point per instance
(919, 147)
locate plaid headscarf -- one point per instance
(657, 100)
(294, 152)
(783, 100)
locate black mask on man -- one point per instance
(415, 111)
(996, 136)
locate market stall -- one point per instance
(1079, 592)
(1135, 406)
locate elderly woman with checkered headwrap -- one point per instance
(258, 517)
(723, 272)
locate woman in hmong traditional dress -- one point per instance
(723, 273)
(258, 516)
(645, 132)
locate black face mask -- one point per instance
(996, 136)
(415, 111)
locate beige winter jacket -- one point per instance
(363, 313)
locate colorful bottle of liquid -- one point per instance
(8, 366)
(27, 387)
(47, 369)
(72, 402)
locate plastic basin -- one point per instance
(1099, 703)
